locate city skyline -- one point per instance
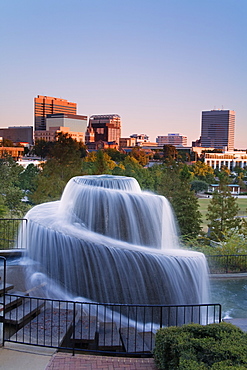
(158, 64)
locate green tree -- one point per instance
(42, 148)
(185, 174)
(199, 186)
(11, 193)
(140, 156)
(28, 178)
(203, 172)
(222, 212)
(175, 186)
(186, 208)
(115, 154)
(64, 162)
(223, 174)
(239, 179)
(157, 156)
(97, 163)
(169, 152)
(3, 208)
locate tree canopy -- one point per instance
(222, 212)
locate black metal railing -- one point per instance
(3, 272)
(225, 264)
(9, 229)
(93, 327)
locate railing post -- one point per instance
(220, 313)
(161, 318)
(73, 333)
(2, 324)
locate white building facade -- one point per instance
(229, 159)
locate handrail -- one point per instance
(10, 228)
(125, 329)
(227, 263)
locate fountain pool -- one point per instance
(232, 295)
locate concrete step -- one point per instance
(132, 341)
(49, 328)
(109, 337)
(25, 312)
(12, 301)
(85, 330)
(7, 288)
(149, 339)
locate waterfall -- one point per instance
(108, 241)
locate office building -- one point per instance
(140, 138)
(51, 134)
(106, 127)
(125, 142)
(217, 129)
(73, 121)
(44, 105)
(172, 139)
(18, 134)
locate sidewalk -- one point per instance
(65, 361)
(15, 356)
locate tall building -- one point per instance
(106, 127)
(172, 139)
(217, 130)
(44, 105)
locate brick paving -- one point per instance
(62, 361)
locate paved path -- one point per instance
(62, 361)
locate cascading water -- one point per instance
(108, 241)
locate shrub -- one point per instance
(200, 347)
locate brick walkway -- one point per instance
(62, 361)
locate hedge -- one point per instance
(199, 347)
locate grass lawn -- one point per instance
(203, 202)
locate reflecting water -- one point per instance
(232, 295)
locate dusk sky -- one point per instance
(156, 63)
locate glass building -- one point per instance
(217, 130)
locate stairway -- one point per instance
(41, 322)
(19, 308)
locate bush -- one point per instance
(198, 347)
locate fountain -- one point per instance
(108, 241)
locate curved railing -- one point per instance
(9, 228)
(94, 327)
(226, 264)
